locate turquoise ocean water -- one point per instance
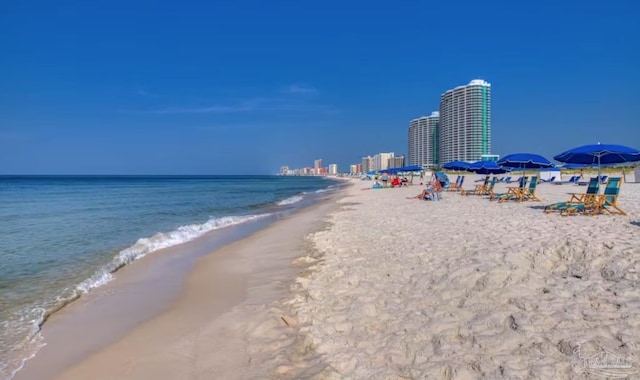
(62, 236)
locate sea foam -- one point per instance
(290, 200)
(157, 242)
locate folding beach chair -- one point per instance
(456, 186)
(522, 193)
(477, 189)
(511, 190)
(576, 198)
(483, 189)
(606, 202)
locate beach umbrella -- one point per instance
(456, 165)
(412, 168)
(486, 167)
(599, 154)
(525, 161)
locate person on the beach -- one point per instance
(425, 195)
(395, 182)
(436, 188)
(581, 173)
(384, 180)
(431, 191)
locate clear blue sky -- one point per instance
(213, 87)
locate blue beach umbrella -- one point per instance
(599, 154)
(412, 168)
(486, 167)
(456, 165)
(525, 161)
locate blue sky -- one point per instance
(214, 87)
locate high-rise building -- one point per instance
(333, 169)
(367, 164)
(423, 141)
(381, 161)
(396, 162)
(464, 128)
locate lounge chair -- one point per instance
(552, 179)
(606, 202)
(522, 193)
(576, 198)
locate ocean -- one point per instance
(62, 236)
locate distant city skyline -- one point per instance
(245, 87)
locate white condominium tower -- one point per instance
(464, 131)
(423, 141)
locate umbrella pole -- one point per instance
(599, 170)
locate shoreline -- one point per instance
(459, 288)
(229, 283)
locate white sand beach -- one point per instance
(465, 288)
(372, 285)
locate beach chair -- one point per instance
(552, 179)
(530, 193)
(522, 193)
(482, 189)
(507, 180)
(477, 188)
(511, 190)
(458, 185)
(606, 202)
(453, 185)
(576, 198)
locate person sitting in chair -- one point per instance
(432, 190)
